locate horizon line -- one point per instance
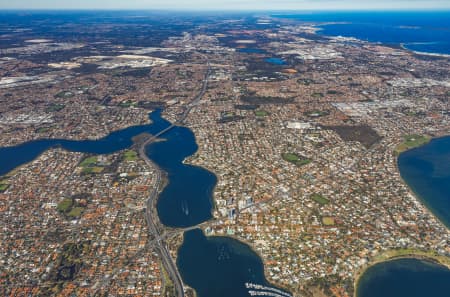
(434, 9)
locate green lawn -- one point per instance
(65, 205)
(127, 103)
(43, 130)
(412, 252)
(68, 207)
(261, 113)
(3, 187)
(295, 159)
(290, 157)
(75, 212)
(411, 141)
(90, 161)
(130, 155)
(93, 169)
(303, 162)
(97, 169)
(90, 165)
(55, 107)
(320, 199)
(64, 94)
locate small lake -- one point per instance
(276, 61)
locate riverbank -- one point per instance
(192, 161)
(218, 265)
(269, 281)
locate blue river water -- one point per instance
(187, 200)
(220, 266)
(213, 266)
(427, 32)
(12, 157)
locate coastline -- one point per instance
(403, 147)
(395, 254)
(392, 255)
(436, 55)
(426, 207)
(385, 256)
(189, 161)
(319, 29)
(57, 144)
(153, 220)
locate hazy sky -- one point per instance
(227, 4)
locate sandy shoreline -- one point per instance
(403, 46)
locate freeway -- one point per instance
(167, 260)
(199, 96)
(150, 213)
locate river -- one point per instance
(222, 266)
(213, 266)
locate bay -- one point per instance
(221, 267)
(405, 277)
(426, 170)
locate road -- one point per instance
(157, 240)
(150, 213)
(199, 96)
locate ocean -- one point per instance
(426, 32)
